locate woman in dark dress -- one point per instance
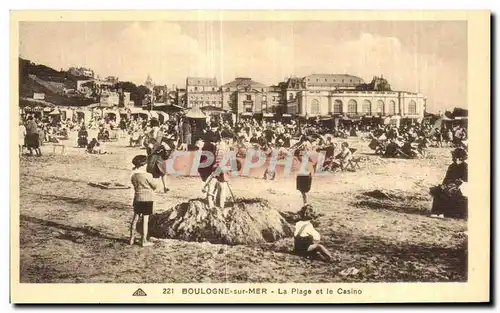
(158, 149)
(83, 137)
(209, 151)
(32, 136)
(448, 200)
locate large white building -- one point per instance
(347, 95)
(202, 92)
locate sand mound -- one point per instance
(378, 194)
(395, 195)
(250, 221)
(394, 200)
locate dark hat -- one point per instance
(154, 122)
(210, 137)
(307, 212)
(139, 160)
(459, 153)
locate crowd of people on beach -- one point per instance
(298, 138)
(412, 141)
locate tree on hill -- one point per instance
(137, 93)
(47, 77)
(460, 112)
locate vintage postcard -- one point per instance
(250, 156)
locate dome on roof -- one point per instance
(244, 82)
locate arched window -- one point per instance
(412, 108)
(367, 107)
(380, 107)
(352, 107)
(337, 106)
(315, 107)
(391, 110)
(290, 96)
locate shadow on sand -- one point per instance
(380, 260)
(86, 230)
(94, 204)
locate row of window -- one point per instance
(264, 98)
(326, 80)
(213, 89)
(291, 95)
(248, 97)
(206, 102)
(228, 89)
(352, 107)
(210, 82)
(201, 98)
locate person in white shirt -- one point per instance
(306, 238)
(304, 175)
(22, 136)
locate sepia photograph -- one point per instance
(243, 151)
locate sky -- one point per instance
(429, 57)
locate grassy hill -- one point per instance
(37, 78)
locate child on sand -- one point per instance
(219, 189)
(304, 174)
(144, 185)
(306, 238)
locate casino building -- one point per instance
(349, 97)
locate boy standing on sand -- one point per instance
(305, 172)
(144, 185)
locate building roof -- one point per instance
(295, 83)
(337, 80)
(201, 81)
(244, 82)
(196, 113)
(275, 88)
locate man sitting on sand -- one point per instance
(94, 147)
(306, 238)
(342, 159)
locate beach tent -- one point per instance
(83, 115)
(211, 110)
(139, 112)
(124, 113)
(162, 116)
(67, 113)
(195, 113)
(112, 114)
(55, 112)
